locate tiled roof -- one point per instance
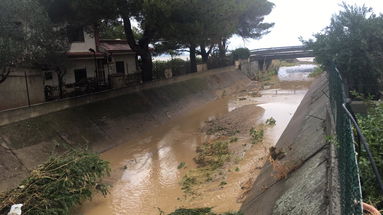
(114, 46)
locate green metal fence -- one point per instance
(351, 195)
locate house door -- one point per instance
(120, 67)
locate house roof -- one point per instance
(115, 46)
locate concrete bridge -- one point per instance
(266, 55)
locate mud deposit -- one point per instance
(147, 171)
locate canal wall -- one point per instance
(29, 136)
(302, 177)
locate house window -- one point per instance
(120, 67)
(76, 34)
(80, 75)
(48, 76)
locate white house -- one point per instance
(94, 64)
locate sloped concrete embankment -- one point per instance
(300, 179)
(105, 124)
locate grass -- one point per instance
(213, 155)
(210, 158)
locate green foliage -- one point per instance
(28, 37)
(111, 29)
(11, 33)
(317, 72)
(354, 42)
(241, 53)
(213, 155)
(59, 185)
(181, 165)
(256, 135)
(271, 121)
(200, 211)
(372, 128)
(178, 66)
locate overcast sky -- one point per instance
(294, 18)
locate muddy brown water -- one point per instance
(145, 176)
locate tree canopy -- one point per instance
(179, 23)
(207, 23)
(28, 37)
(354, 43)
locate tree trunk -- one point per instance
(147, 67)
(204, 54)
(60, 77)
(142, 49)
(222, 50)
(193, 59)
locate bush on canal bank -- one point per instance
(372, 128)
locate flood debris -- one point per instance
(200, 211)
(276, 154)
(58, 185)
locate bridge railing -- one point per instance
(351, 194)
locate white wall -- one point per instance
(69, 77)
(130, 63)
(89, 42)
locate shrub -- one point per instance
(241, 53)
(372, 128)
(354, 43)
